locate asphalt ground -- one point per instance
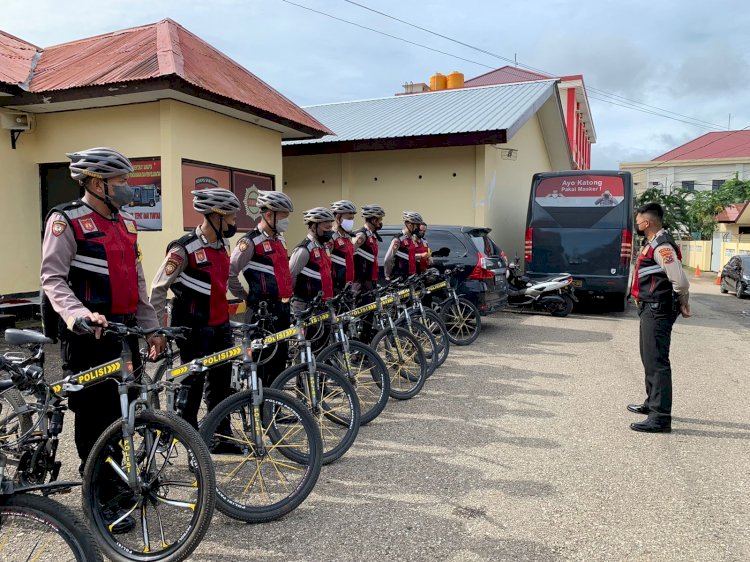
(519, 448)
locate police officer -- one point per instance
(310, 264)
(341, 245)
(401, 257)
(660, 288)
(423, 253)
(91, 270)
(196, 268)
(365, 241)
(262, 258)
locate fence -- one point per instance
(697, 253)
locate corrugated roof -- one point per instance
(732, 212)
(724, 144)
(160, 50)
(490, 108)
(505, 75)
(16, 59)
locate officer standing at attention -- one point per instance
(342, 247)
(91, 270)
(401, 257)
(660, 288)
(261, 257)
(196, 268)
(366, 240)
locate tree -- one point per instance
(676, 208)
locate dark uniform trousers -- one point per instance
(97, 406)
(655, 338)
(201, 342)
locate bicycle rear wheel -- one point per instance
(405, 359)
(39, 528)
(366, 371)
(13, 423)
(173, 508)
(337, 412)
(264, 484)
(436, 325)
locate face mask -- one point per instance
(282, 225)
(325, 237)
(121, 194)
(347, 224)
(420, 234)
(230, 230)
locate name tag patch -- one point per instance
(130, 225)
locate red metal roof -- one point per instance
(16, 59)
(725, 144)
(505, 75)
(160, 50)
(732, 212)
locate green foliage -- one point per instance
(689, 212)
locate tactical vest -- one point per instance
(422, 253)
(342, 260)
(366, 257)
(104, 272)
(406, 261)
(267, 273)
(201, 289)
(650, 282)
(316, 275)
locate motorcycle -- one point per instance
(554, 294)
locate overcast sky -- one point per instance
(689, 57)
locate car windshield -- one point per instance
(745, 262)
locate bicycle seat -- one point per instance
(23, 337)
(6, 384)
(241, 325)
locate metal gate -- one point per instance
(716, 258)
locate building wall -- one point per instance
(169, 129)
(469, 185)
(508, 185)
(670, 177)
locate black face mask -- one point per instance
(230, 230)
(325, 236)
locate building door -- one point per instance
(57, 187)
(716, 252)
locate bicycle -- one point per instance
(365, 369)
(280, 454)
(426, 315)
(400, 349)
(145, 463)
(323, 389)
(49, 529)
(460, 315)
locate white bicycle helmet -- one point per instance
(342, 207)
(101, 162)
(318, 214)
(373, 211)
(215, 200)
(413, 217)
(275, 201)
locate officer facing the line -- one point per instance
(661, 290)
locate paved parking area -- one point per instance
(519, 449)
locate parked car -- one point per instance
(483, 279)
(735, 276)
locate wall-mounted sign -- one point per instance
(146, 182)
(196, 177)
(246, 186)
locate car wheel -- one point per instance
(740, 290)
(723, 286)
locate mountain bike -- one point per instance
(32, 526)
(460, 315)
(150, 466)
(278, 446)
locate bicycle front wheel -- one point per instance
(462, 321)
(39, 528)
(166, 517)
(405, 359)
(277, 463)
(366, 371)
(336, 408)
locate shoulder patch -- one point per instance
(667, 255)
(58, 227)
(243, 244)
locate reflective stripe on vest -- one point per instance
(267, 273)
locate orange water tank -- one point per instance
(438, 82)
(455, 80)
